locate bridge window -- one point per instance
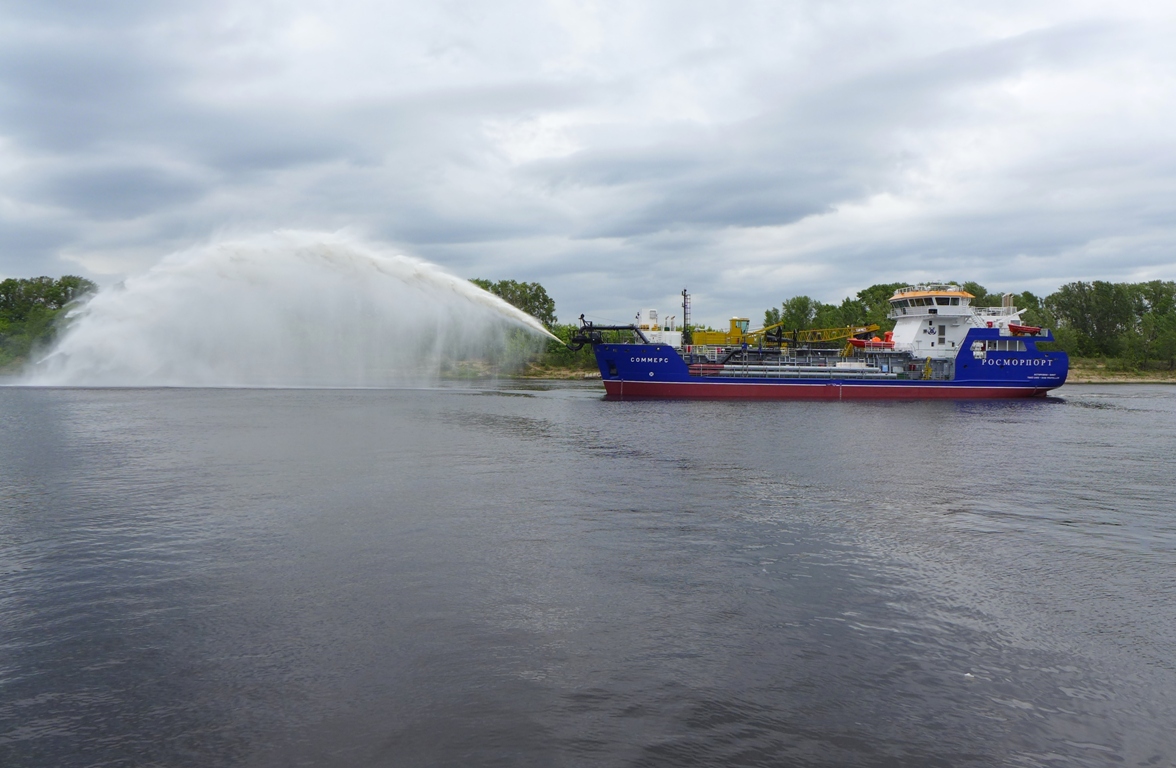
(942, 301)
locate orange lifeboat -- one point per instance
(1018, 330)
(875, 343)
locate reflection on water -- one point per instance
(212, 577)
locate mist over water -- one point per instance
(287, 309)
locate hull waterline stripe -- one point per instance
(821, 391)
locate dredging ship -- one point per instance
(941, 347)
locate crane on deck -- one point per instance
(777, 335)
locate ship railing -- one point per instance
(929, 287)
(798, 372)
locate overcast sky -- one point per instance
(616, 152)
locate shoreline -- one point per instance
(1083, 377)
(1104, 379)
(1076, 376)
(1098, 374)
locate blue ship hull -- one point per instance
(659, 371)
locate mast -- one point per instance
(686, 317)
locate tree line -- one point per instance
(533, 299)
(1132, 323)
(30, 309)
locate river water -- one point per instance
(537, 577)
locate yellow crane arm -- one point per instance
(811, 335)
(738, 334)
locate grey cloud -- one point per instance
(94, 101)
(118, 137)
(256, 141)
(911, 86)
(23, 249)
(71, 95)
(88, 15)
(831, 145)
(119, 192)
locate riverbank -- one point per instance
(1100, 372)
(1081, 372)
(534, 371)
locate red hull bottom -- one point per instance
(816, 391)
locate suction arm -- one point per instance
(590, 333)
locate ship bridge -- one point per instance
(932, 319)
(930, 299)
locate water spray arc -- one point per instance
(288, 309)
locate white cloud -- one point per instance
(614, 151)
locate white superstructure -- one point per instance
(659, 332)
(932, 319)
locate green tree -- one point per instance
(1131, 323)
(798, 313)
(532, 298)
(980, 297)
(1163, 338)
(1153, 335)
(827, 316)
(1098, 313)
(30, 309)
(872, 305)
(876, 301)
(20, 296)
(1027, 300)
(849, 312)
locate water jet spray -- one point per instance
(288, 309)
